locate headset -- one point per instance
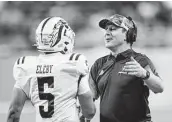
(131, 33)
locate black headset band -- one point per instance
(129, 18)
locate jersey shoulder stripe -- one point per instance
(18, 61)
(21, 60)
(76, 58)
(71, 57)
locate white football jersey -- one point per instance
(51, 83)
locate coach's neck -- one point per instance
(119, 49)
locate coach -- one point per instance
(123, 78)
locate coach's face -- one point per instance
(114, 36)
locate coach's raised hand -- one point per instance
(133, 68)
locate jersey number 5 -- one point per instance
(46, 96)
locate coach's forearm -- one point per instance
(154, 83)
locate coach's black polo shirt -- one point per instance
(123, 98)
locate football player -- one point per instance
(53, 80)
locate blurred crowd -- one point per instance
(19, 19)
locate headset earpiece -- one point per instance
(131, 33)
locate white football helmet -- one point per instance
(54, 34)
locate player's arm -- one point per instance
(93, 88)
(20, 91)
(92, 81)
(16, 106)
(86, 100)
(84, 94)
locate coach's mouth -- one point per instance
(108, 39)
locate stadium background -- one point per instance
(18, 21)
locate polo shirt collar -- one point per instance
(127, 53)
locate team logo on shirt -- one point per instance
(101, 73)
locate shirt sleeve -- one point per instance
(20, 77)
(92, 80)
(144, 61)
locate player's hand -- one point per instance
(83, 119)
(133, 68)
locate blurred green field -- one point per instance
(160, 104)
